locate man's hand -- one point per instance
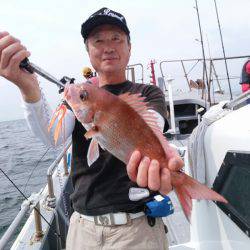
(147, 173)
(12, 52)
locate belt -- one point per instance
(112, 219)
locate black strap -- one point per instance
(151, 221)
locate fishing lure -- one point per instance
(58, 115)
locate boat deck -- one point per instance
(178, 226)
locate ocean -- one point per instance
(20, 153)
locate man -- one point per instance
(107, 215)
(90, 76)
(245, 77)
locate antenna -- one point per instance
(203, 53)
(223, 49)
(152, 68)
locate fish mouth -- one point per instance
(84, 115)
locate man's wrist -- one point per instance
(31, 92)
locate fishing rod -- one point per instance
(31, 68)
(58, 235)
(223, 49)
(203, 52)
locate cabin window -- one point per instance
(233, 182)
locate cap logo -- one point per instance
(108, 12)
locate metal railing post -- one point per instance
(38, 223)
(51, 199)
(50, 187)
(65, 165)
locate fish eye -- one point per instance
(84, 95)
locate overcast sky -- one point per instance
(160, 30)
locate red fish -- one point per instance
(122, 124)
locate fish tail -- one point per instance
(192, 189)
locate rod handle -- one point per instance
(25, 64)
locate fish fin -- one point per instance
(136, 101)
(91, 132)
(185, 201)
(93, 152)
(189, 189)
(128, 97)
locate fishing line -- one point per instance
(193, 67)
(35, 168)
(58, 235)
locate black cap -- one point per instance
(103, 16)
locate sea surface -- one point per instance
(25, 160)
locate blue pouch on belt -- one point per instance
(161, 206)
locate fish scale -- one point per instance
(110, 137)
(124, 134)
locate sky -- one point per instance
(160, 30)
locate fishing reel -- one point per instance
(65, 80)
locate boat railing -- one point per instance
(130, 70)
(33, 202)
(51, 199)
(15, 223)
(212, 72)
(242, 98)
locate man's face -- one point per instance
(109, 49)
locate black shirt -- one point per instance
(104, 186)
